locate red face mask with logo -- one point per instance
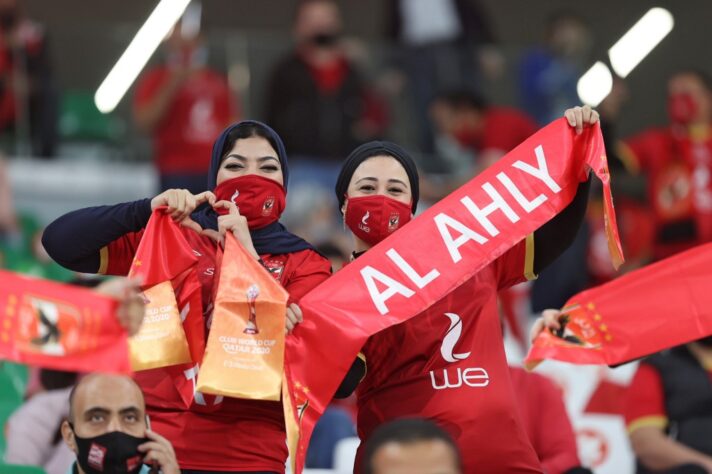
(261, 200)
(682, 108)
(373, 218)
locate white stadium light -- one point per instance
(640, 40)
(137, 54)
(595, 84)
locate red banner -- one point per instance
(656, 307)
(166, 264)
(430, 257)
(60, 326)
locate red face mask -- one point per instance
(682, 108)
(260, 200)
(373, 218)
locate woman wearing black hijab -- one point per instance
(248, 179)
(447, 363)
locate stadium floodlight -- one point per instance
(595, 84)
(137, 54)
(640, 40)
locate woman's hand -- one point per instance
(181, 204)
(294, 317)
(549, 320)
(579, 117)
(234, 222)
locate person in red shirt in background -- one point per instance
(546, 422)
(677, 162)
(183, 104)
(471, 135)
(669, 410)
(29, 99)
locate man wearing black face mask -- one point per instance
(669, 410)
(107, 429)
(316, 100)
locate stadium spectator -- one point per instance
(33, 433)
(669, 410)
(108, 430)
(677, 162)
(249, 171)
(382, 175)
(549, 73)
(316, 99)
(28, 92)
(183, 104)
(413, 446)
(442, 45)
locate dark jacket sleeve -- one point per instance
(551, 239)
(75, 239)
(352, 379)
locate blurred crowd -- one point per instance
(323, 101)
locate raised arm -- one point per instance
(75, 239)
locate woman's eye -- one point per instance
(233, 166)
(367, 188)
(395, 190)
(269, 168)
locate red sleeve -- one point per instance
(147, 87)
(645, 400)
(516, 264)
(307, 270)
(116, 258)
(555, 441)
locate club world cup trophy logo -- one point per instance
(252, 293)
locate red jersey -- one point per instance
(200, 109)
(448, 364)
(679, 172)
(217, 433)
(545, 420)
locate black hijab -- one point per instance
(273, 239)
(369, 150)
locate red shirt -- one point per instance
(679, 172)
(216, 433)
(448, 364)
(645, 401)
(545, 420)
(200, 109)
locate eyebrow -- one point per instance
(96, 410)
(392, 180)
(259, 160)
(129, 410)
(106, 411)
